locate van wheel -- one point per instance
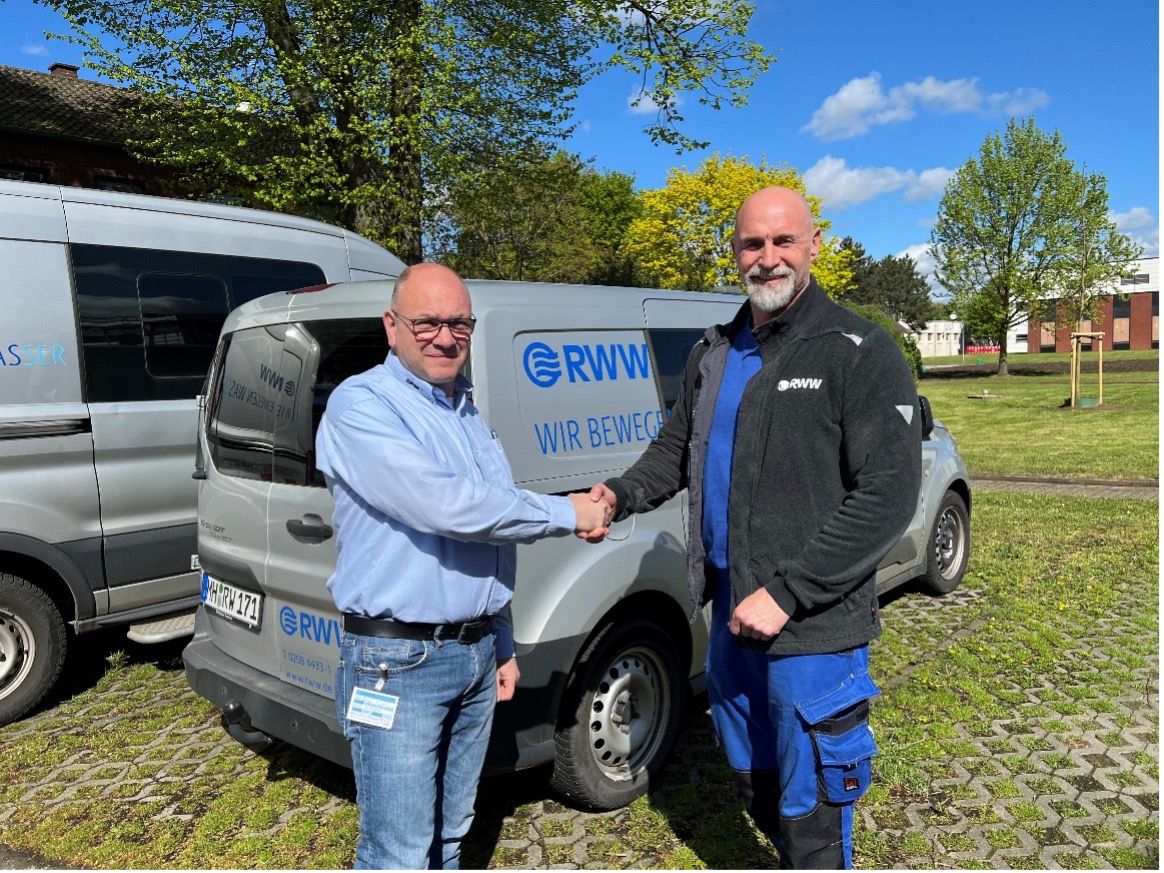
(32, 646)
(949, 546)
(621, 714)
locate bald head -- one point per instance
(429, 292)
(427, 275)
(775, 244)
(788, 202)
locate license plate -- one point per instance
(230, 601)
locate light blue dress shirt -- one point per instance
(426, 512)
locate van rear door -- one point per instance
(305, 631)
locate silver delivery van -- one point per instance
(575, 381)
(110, 309)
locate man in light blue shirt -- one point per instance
(427, 517)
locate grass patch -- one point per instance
(1024, 431)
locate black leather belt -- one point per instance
(463, 632)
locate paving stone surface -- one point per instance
(1014, 793)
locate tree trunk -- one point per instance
(406, 198)
(1002, 354)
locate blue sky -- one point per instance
(876, 104)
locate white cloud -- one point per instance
(645, 105)
(928, 221)
(1136, 218)
(842, 186)
(30, 49)
(861, 104)
(929, 183)
(1141, 225)
(584, 125)
(1022, 101)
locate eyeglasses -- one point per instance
(428, 328)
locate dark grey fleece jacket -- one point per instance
(826, 469)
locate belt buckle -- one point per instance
(472, 631)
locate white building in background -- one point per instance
(945, 338)
(939, 339)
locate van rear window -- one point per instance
(270, 389)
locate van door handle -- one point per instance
(312, 531)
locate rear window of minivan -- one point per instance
(271, 391)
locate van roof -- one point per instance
(66, 194)
(369, 299)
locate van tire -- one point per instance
(33, 642)
(630, 670)
(947, 546)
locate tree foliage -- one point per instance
(358, 112)
(891, 284)
(540, 218)
(683, 239)
(1010, 225)
(1102, 257)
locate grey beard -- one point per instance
(767, 297)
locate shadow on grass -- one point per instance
(90, 656)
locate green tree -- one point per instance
(359, 112)
(1009, 226)
(860, 263)
(539, 218)
(610, 204)
(1102, 256)
(895, 285)
(514, 221)
(683, 239)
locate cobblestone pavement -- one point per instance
(1014, 795)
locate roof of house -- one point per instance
(63, 107)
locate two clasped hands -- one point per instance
(593, 511)
(757, 616)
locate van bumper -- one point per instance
(523, 728)
(273, 707)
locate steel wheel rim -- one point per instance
(17, 651)
(948, 543)
(627, 713)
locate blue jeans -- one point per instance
(416, 781)
(796, 732)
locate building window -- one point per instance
(1138, 279)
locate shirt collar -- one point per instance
(462, 388)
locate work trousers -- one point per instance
(796, 732)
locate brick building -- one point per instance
(56, 127)
(1131, 323)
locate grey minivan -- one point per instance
(575, 381)
(112, 305)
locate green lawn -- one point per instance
(1022, 428)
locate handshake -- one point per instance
(593, 512)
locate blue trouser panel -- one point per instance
(796, 733)
(416, 780)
